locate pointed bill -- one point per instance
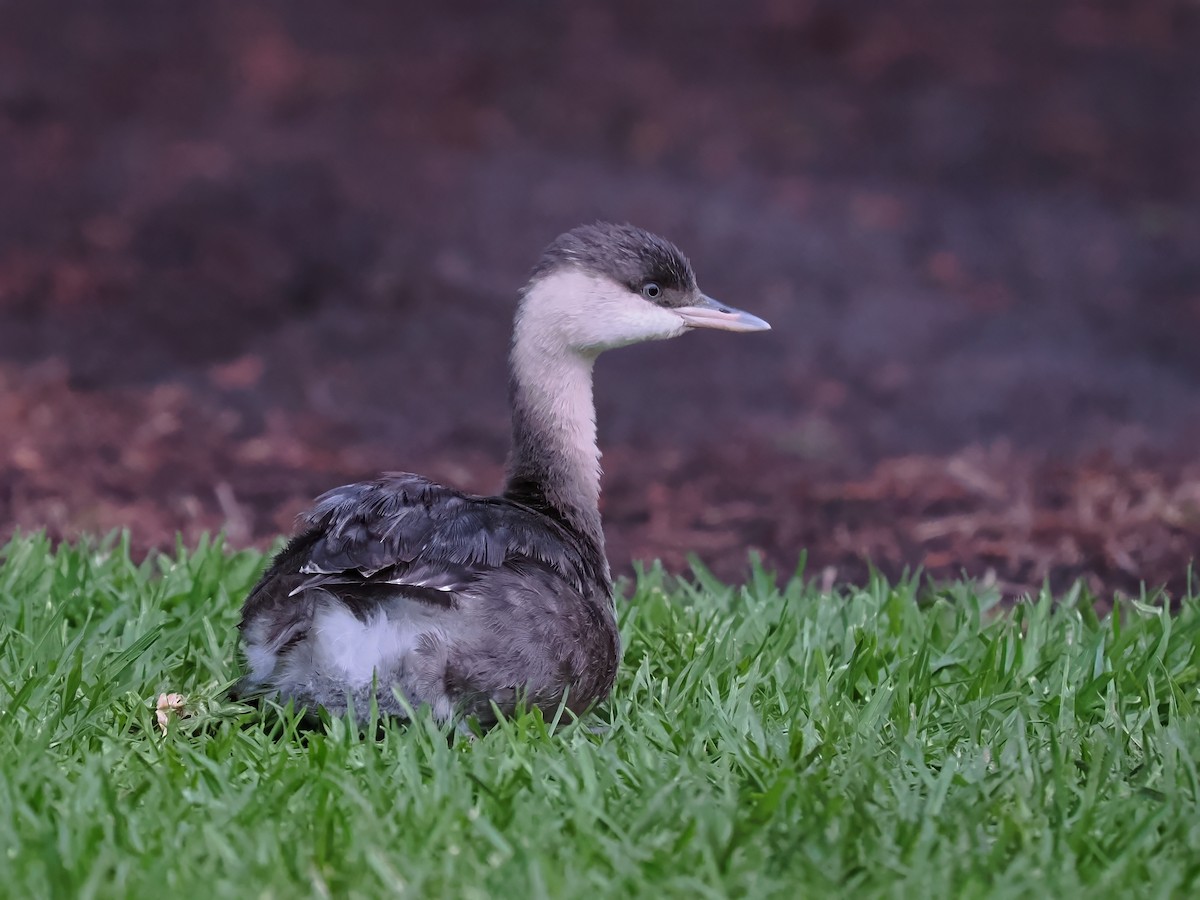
(708, 313)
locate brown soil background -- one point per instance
(252, 250)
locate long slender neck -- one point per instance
(554, 465)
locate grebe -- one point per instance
(412, 594)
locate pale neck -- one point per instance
(554, 465)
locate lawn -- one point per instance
(763, 740)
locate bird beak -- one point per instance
(708, 313)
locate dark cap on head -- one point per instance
(628, 255)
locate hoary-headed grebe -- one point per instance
(414, 594)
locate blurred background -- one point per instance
(251, 250)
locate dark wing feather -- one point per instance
(405, 525)
(404, 530)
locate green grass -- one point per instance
(762, 741)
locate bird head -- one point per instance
(602, 286)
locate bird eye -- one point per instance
(651, 290)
